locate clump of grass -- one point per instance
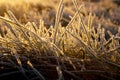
(76, 50)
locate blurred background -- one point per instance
(105, 12)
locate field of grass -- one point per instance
(59, 40)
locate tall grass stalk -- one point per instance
(58, 17)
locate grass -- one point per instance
(78, 51)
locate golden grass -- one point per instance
(78, 48)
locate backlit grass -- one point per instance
(76, 51)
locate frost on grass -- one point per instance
(79, 49)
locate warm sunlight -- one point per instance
(59, 39)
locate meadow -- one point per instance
(59, 40)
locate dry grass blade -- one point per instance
(6, 64)
(58, 17)
(71, 21)
(36, 71)
(71, 63)
(19, 62)
(89, 28)
(5, 49)
(14, 23)
(75, 15)
(112, 64)
(9, 73)
(8, 20)
(113, 50)
(34, 26)
(82, 22)
(73, 75)
(93, 53)
(102, 36)
(20, 26)
(11, 29)
(89, 49)
(13, 17)
(60, 75)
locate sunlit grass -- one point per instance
(78, 48)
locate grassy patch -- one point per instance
(81, 50)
